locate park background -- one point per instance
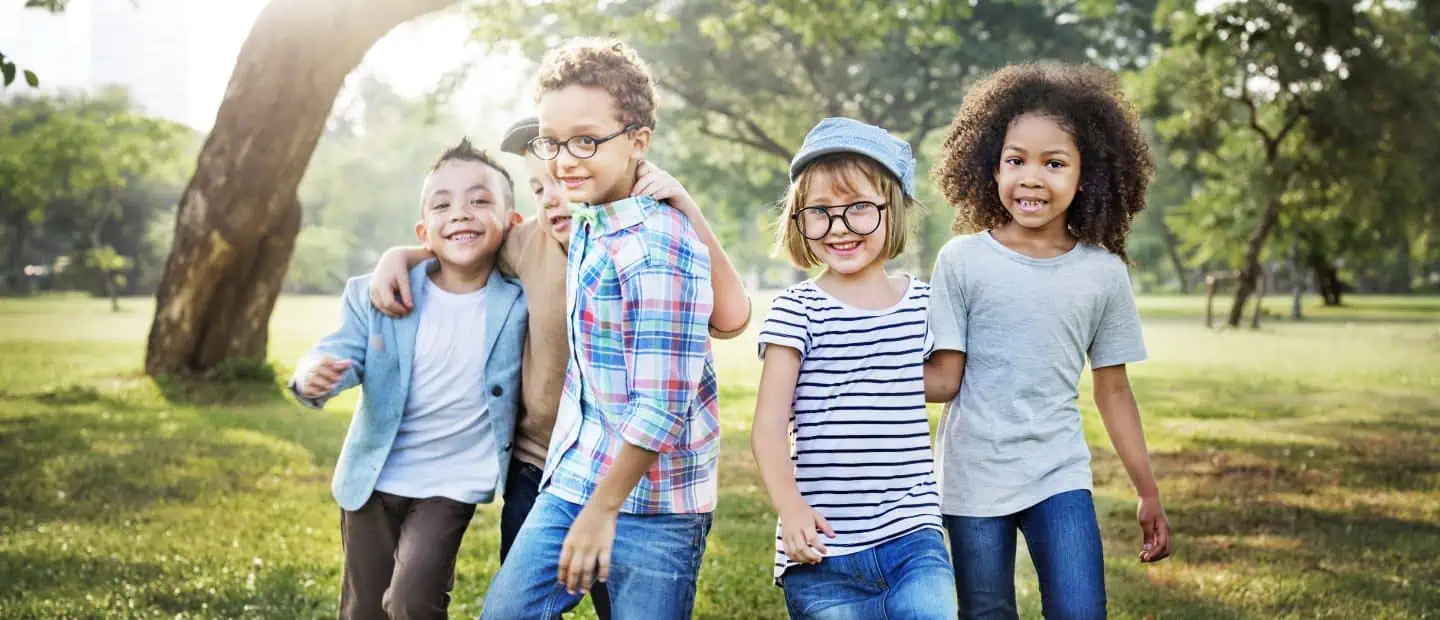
(163, 266)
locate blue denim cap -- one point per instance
(845, 135)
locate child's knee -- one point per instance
(411, 597)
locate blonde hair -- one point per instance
(840, 167)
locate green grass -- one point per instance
(1299, 465)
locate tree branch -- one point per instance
(705, 130)
(1300, 112)
(813, 69)
(758, 138)
(1255, 117)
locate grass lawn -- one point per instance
(1300, 466)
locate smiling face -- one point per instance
(463, 214)
(844, 195)
(1039, 172)
(579, 114)
(552, 209)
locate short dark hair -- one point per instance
(1115, 162)
(465, 151)
(608, 64)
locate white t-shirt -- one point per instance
(445, 447)
(862, 436)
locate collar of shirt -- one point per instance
(619, 215)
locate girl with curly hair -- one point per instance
(1046, 167)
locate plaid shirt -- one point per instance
(638, 297)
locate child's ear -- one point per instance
(422, 234)
(515, 219)
(640, 139)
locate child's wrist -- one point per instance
(607, 505)
(794, 504)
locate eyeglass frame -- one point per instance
(830, 218)
(530, 146)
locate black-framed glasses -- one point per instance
(581, 147)
(861, 218)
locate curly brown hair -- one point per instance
(604, 63)
(1115, 163)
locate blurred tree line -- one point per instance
(1293, 137)
(86, 185)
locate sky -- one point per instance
(412, 58)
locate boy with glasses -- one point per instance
(630, 480)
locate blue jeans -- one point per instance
(1064, 541)
(905, 578)
(654, 563)
(521, 491)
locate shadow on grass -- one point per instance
(81, 455)
(49, 585)
(71, 395)
(211, 392)
(1335, 524)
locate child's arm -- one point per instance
(337, 362)
(593, 533)
(732, 305)
(1118, 341)
(800, 524)
(390, 284)
(949, 320)
(943, 373)
(667, 300)
(1122, 422)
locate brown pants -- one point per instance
(400, 556)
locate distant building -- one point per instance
(146, 47)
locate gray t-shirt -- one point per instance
(1012, 437)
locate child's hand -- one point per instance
(324, 377)
(589, 542)
(658, 184)
(799, 529)
(392, 274)
(1155, 530)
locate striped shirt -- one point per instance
(638, 298)
(861, 433)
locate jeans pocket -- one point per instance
(825, 590)
(662, 546)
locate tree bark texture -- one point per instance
(237, 221)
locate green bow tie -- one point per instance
(581, 213)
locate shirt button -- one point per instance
(496, 391)
(506, 448)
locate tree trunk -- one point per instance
(1172, 249)
(15, 274)
(1299, 274)
(236, 225)
(1245, 283)
(110, 290)
(1327, 280)
(1404, 271)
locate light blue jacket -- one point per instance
(381, 351)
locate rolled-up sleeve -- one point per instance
(667, 302)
